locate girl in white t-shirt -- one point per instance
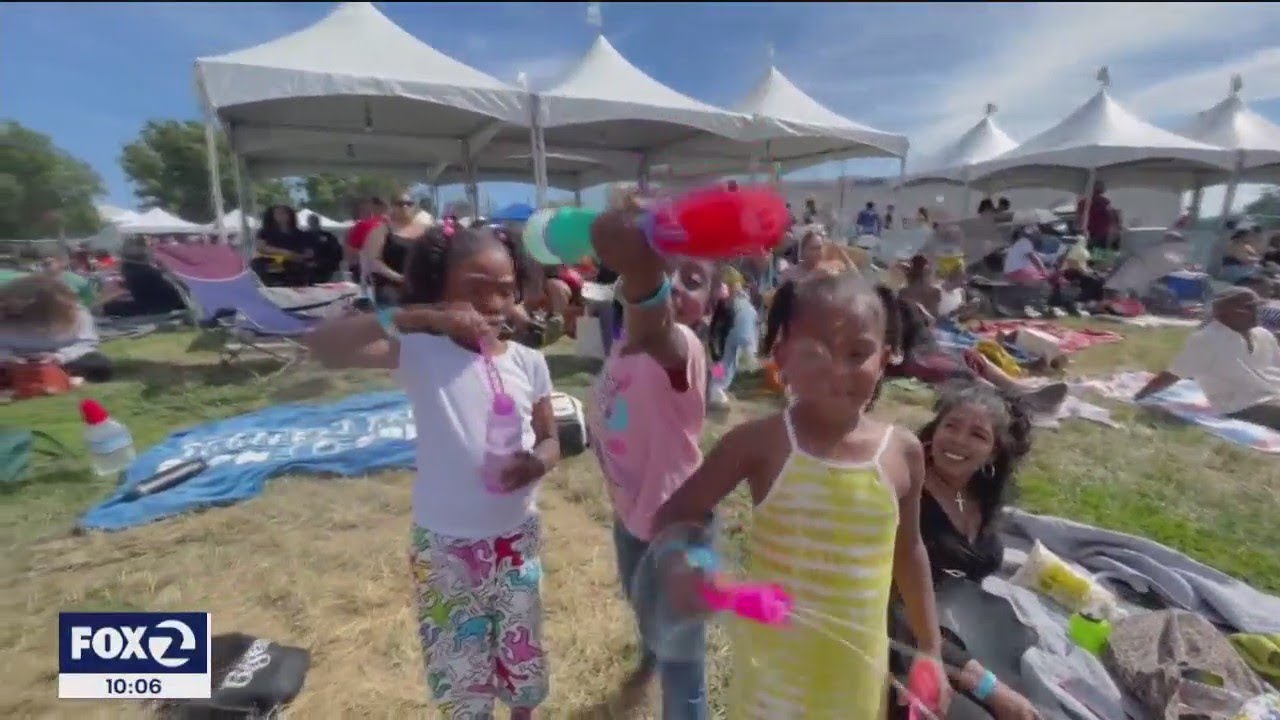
(474, 553)
(1022, 264)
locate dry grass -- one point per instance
(321, 563)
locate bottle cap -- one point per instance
(503, 404)
(93, 412)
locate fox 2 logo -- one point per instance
(149, 643)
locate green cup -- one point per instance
(1089, 632)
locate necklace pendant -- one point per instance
(960, 501)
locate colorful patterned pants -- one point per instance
(480, 620)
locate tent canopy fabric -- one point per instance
(353, 87)
(1102, 135)
(791, 128)
(606, 102)
(158, 222)
(1234, 125)
(953, 162)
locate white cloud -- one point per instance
(1198, 89)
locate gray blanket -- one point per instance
(1167, 579)
(1022, 636)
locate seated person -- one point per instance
(1236, 362)
(42, 320)
(1022, 264)
(1241, 260)
(922, 287)
(283, 257)
(1074, 269)
(973, 445)
(326, 250)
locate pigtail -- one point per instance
(526, 267)
(426, 267)
(781, 308)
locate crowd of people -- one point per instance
(918, 506)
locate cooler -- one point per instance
(1188, 286)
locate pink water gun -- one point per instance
(764, 603)
(926, 693)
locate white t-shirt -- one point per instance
(1232, 377)
(1018, 256)
(449, 391)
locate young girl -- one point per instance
(837, 510)
(475, 554)
(646, 418)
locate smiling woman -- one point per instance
(972, 446)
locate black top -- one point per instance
(395, 251)
(950, 552)
(292, 241)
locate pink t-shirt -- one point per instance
(646, 431)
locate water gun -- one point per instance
(714, 223)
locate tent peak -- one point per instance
(1237, 84)
(1104, 77)
(990, 109)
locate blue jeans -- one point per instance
(744, 336)
(684, 683)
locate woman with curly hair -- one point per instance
(42, 320)
(972, 447)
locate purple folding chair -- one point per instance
(250, 318)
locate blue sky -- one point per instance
(89, 74)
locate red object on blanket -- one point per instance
(1069, 340)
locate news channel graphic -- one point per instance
(134, 655)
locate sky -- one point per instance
(90, 74)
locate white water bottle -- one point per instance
(110, 444)
(502, 439)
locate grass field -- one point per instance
(321, 562)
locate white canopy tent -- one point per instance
(351, 93)
(114, 215)
(606, 104)
(1102, 140)
(1253, 140)
(158, 222)
(305, 215)
(953, 162)
(791, 130)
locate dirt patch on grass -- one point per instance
(315, 563)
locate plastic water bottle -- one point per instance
(504, 433)
(502, 439)
(110, 444)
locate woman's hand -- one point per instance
(1007, 704)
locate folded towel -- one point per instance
(1261, 653)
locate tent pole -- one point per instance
(645, 170)
(1082, 218)
(470, 187)
(215, 179)
(577, 197)
(1228, 200)
(244, 203)
(1197, 199)
(897, 189)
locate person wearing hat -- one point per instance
(1236, 362)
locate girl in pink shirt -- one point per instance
(646, 417)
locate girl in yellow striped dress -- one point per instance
(836, 519)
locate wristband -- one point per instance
(986, 686)
(386, 318)
(659, 297)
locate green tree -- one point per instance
(169, 169)
(334, 196)
(1266, 208)
(44, 191)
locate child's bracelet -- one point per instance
(986, 686)
(386, 318)
(659, 297)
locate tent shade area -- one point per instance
(954, 162)
(1233, 125)
(156, 221)
(792, 129)
(604, 102)
(354, 89)
(1102, 139)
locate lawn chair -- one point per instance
(236, 307)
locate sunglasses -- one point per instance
(405, 203)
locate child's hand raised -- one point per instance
(619, 241)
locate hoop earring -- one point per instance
(989, 471)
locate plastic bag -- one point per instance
(1050, 575)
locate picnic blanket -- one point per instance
(354, 436)
(1070, 340)
(950, 336)
(1185, 401)
(1152, 321)
(1022, 636)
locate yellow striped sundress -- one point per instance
(826, 533)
